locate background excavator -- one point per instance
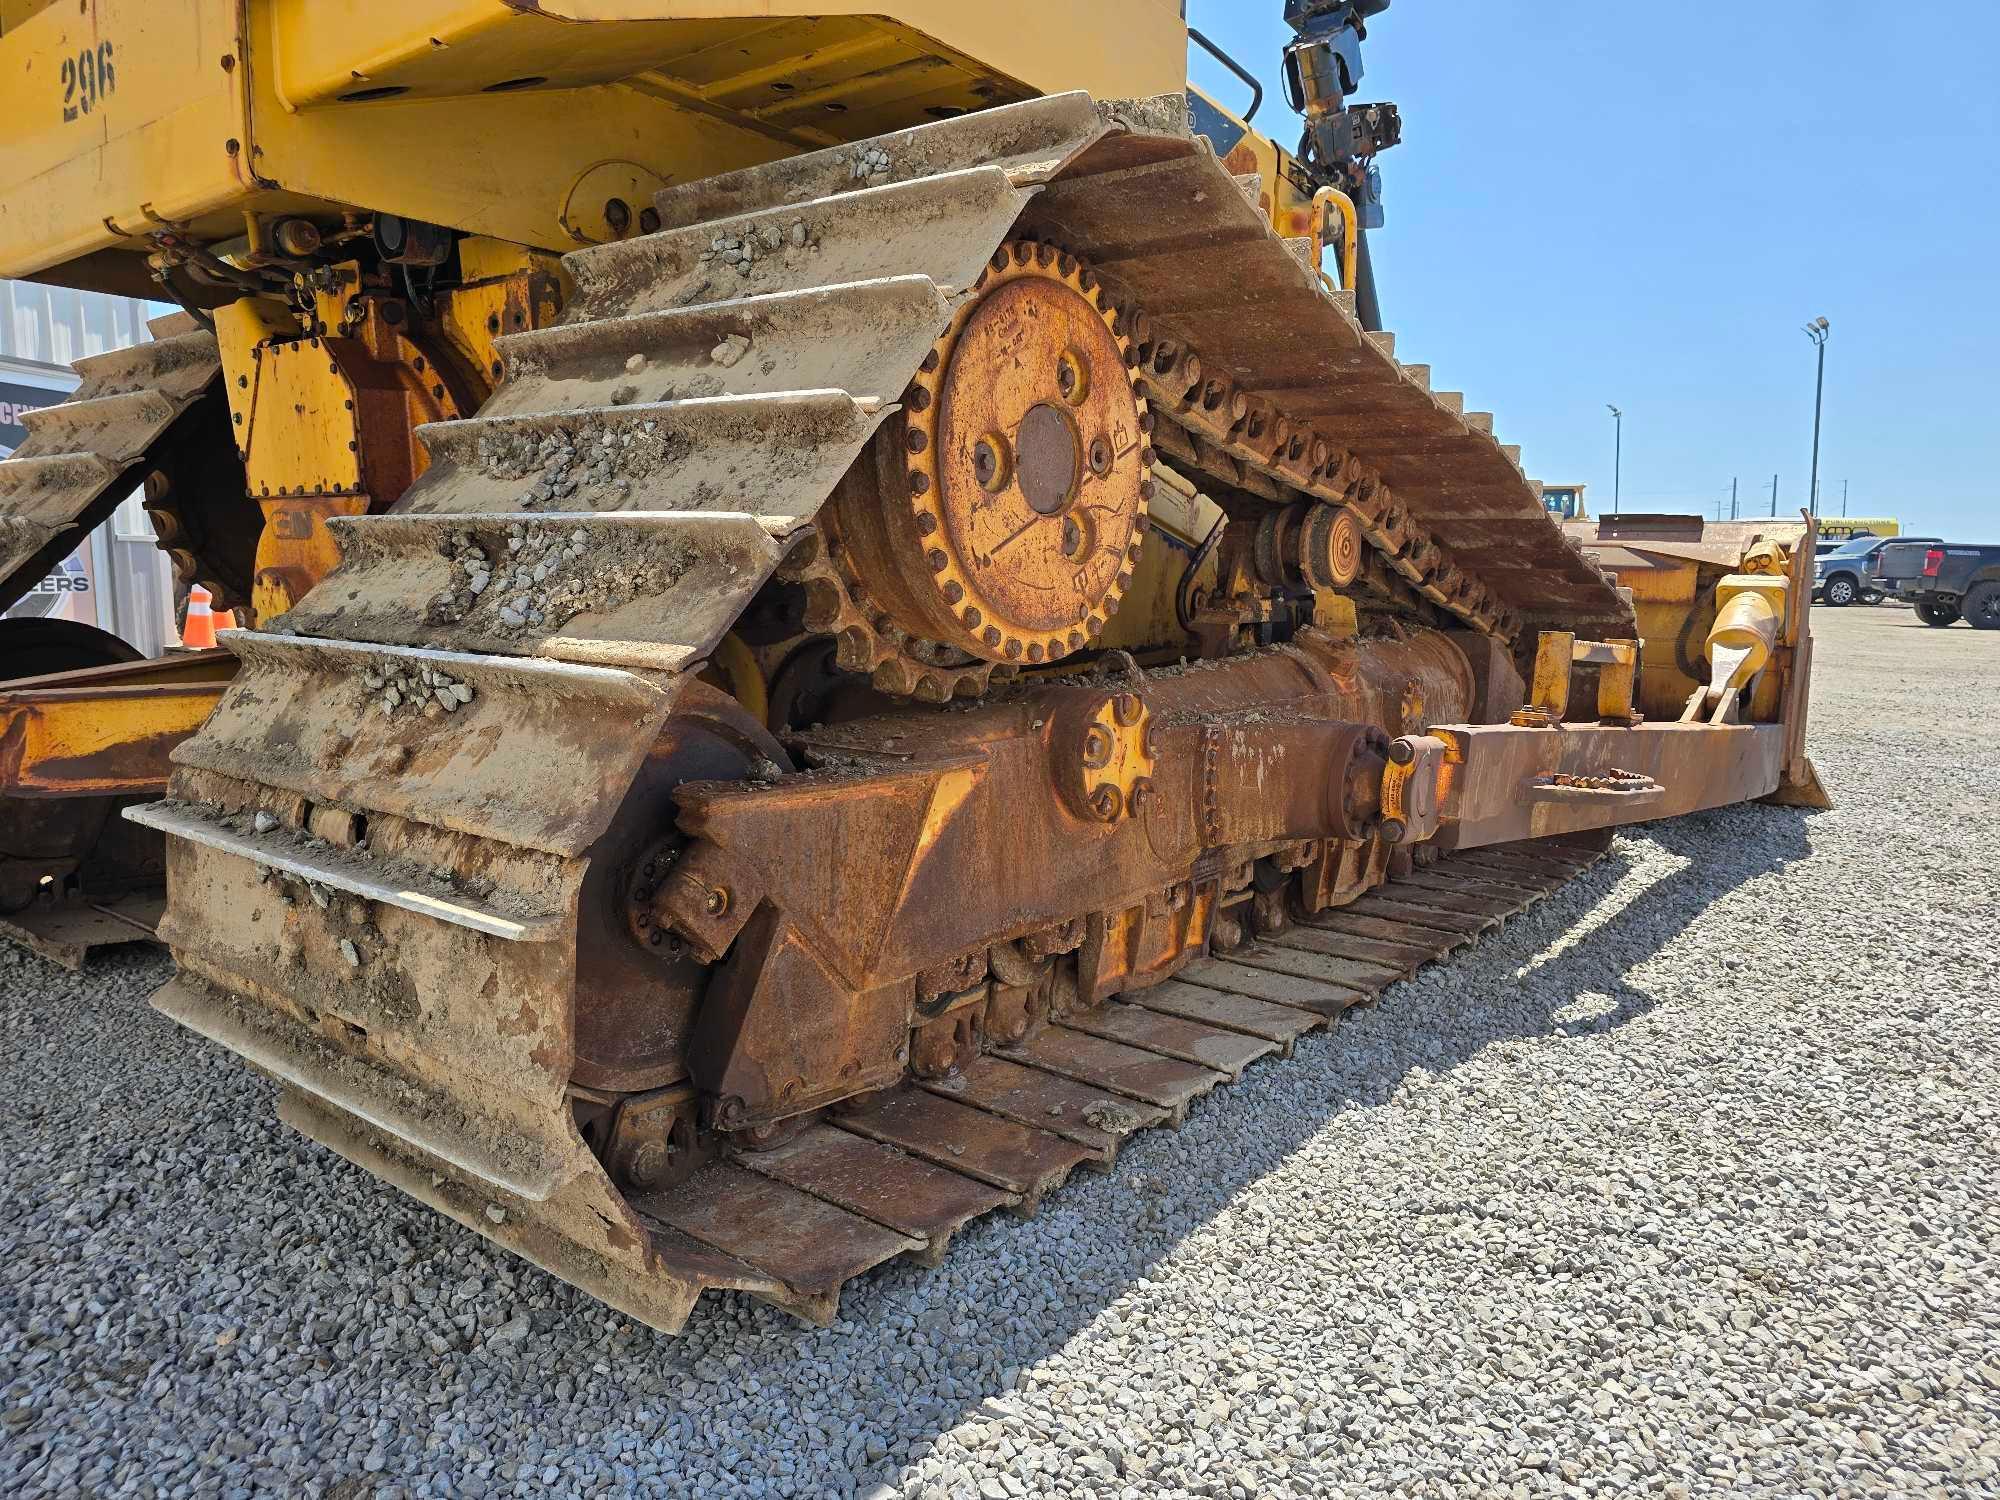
(850, 606)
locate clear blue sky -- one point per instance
(1604, 201)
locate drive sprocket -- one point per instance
(1001, 515)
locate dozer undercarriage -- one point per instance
(917, 675)
(824, 711)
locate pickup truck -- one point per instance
(1846, 574)
(1946, 581)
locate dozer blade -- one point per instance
(390, 846)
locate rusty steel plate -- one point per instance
(1225, 1051)
(68, 933)
(1321, 998)
(1539, 856)
(1454, 897)
(1060, 1106)
(1402, 957)
(1346, 920)
(878, 1182)
(1365, 977)
(1448, 877)
(1471, 924)
(1007, 1155)
(810, 1245)
(1165, 1081)
(1281, 1024)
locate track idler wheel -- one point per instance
(1002, 514)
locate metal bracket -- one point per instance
(1608, 786)
(1557, 654)
(1411, 789)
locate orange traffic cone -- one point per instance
(199, 632)
(225, 619)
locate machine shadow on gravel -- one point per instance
(1058, 1273)
(1155, 1212)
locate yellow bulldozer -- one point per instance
(849, 604)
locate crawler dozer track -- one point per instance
(65, 478)
(397, 848)
(152, 413)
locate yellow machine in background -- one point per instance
(851, 604)
(1840, 528)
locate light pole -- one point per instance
(1818, 330)
(1618, 458)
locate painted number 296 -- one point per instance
(87, 80)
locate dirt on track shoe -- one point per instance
(383, 843)
(63, 480)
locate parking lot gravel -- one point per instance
(1682, 1185)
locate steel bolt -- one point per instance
(1097, 747)
(1393, 830)
(717, 902)
(989, 462)
(648, 1164)
(1107, 802)
(1402, 753)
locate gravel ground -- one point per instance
(1684, 1184)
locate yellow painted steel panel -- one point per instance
(111, 109)
(77, 742)
(485, 115)
(497, 164)
(332, 48)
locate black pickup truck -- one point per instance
(1845, 574)
(1946, 581)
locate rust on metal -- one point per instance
(533, 918)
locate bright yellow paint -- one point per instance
(295, 550)
(1849, 526)
(205, 123)
(154, 147)
(1331, 205)
(734, 669)
(1749, 611)
(1664, 594)
(69, 742)
(1116, 48)
(1555, 654)
(1335, 615)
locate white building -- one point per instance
(118, 579)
